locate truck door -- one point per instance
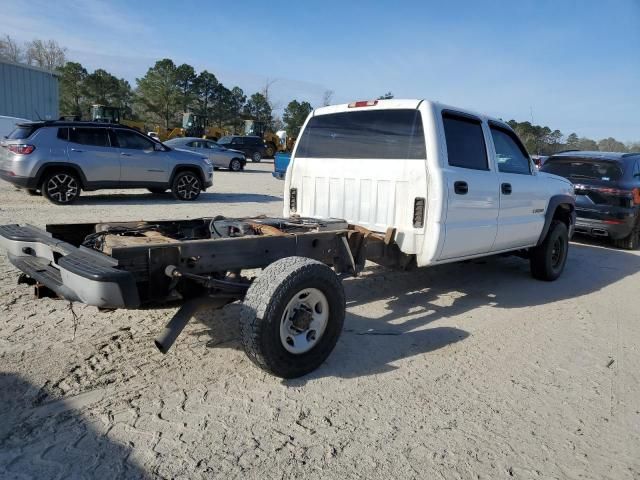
(522, 205)
(472, 189)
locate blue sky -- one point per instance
(574, 65)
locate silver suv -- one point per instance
(59, 159)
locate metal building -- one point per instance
(28, 92)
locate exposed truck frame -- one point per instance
(197, 263)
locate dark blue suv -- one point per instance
(607, 187)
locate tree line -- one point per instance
(541, 140)
(168, 89)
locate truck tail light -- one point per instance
(418, 212)
(293, 199)
(21, 149)
(363, 103)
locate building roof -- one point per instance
(29, 67)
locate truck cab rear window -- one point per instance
(378, 134)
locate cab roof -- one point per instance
(399, 103)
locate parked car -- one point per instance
(607, 187)
(62, 158)
(280, 163)
(218, 155)
(8, 124)
(253, 147)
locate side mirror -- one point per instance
(158, 147)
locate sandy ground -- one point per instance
(472, 370)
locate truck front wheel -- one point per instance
(547, 260)
(292, 316)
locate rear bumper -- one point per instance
(18, 181)
(605, 227)
(74, 273)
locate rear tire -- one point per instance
(61, 188)
(631, 241)
(235, 165)
(256, 157)
(547, 260)
(271, 150)
(292, 316)
(186, 186)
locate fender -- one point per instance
(554, 202)
(189, 166)
(72, 166)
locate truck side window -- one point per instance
(465, 142)
(510, 155)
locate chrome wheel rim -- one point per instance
(304, 321)
(62, 188)
(188, 187)
(256, 157)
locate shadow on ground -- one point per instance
(167, 198)
(410, 301)
(54, 440)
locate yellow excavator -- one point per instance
(259, 128)
(102, 113)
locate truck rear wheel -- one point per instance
(547, 260)
(292, 316)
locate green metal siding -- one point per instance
(28, 92)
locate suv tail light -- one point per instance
(21, 149)
(363, 103)
(293, 199)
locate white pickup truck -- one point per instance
(402, 183)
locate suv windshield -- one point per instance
(583, 168)
(225, 140)
(388, 134)
(21, 132)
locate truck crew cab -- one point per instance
(402, 183)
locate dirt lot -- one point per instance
(471, 370)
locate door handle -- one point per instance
(125, 154)
(77, 150)
(461, 188)
(506, 188)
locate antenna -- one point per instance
(39, 117)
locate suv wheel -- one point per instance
(235, 165)
(548, 259)
(61, 188)
(186, 186)
(256, 157)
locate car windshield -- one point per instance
(584, 168)
(225, 140)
